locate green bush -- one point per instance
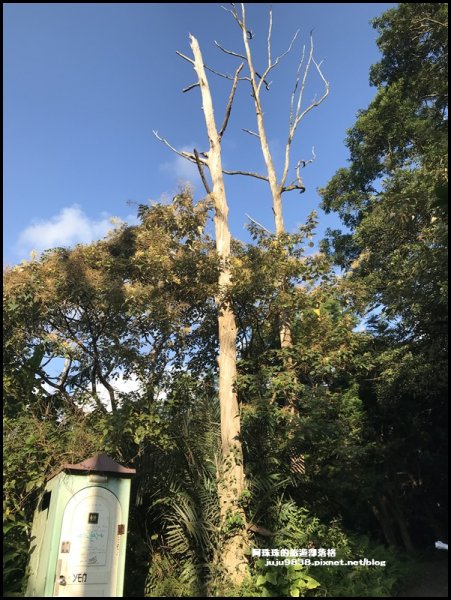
(294, 528)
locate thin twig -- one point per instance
(230, 51)
(263, 81)
(192, 159)
(269, 37)
(317, 102)
(225, 75)
(190, 60)
(251, 132)
(294, 186)
(234, 14)
(182, 153)
(230, 101)
(201, 172)
(190, 87)
(296, 83)
(247, 173)
(298, 183)
(304, 78)
(276, 62)
(259, 224)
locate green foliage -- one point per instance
(16, 529)
(290, 581)
(33, 447)
(179, 506)
(298, 529)
(394, 254)
(233, 522)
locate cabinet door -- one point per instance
(89, 545)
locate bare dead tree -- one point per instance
(231, 476)
(298, 111)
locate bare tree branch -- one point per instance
(278, 59)
(296, 83)
(182, 153)
(192, 158)
(310, 160)
(294, 186)
(298, 183)
(269, 37)
(247, 173)
(254, 87)
(304, 78)
(259, 224)
(316, 102)
(201, 172)
(230, 102)
(251, 132)
(225, 75)
(230, 51)
(190, 60)
(263, 80)
(296, 118)
(190, 87)
(234, 14)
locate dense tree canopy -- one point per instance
(392, 200)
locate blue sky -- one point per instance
(85, 85)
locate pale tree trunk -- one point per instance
(276, 189)
(231, 480)
(285, 336)
(276, 192)
(284, 325)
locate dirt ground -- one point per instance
(432, 579)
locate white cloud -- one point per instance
(70, 226)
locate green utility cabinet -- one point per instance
(79, 531)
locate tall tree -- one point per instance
(278, 184)
(231, 476)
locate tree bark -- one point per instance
(231, 479)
